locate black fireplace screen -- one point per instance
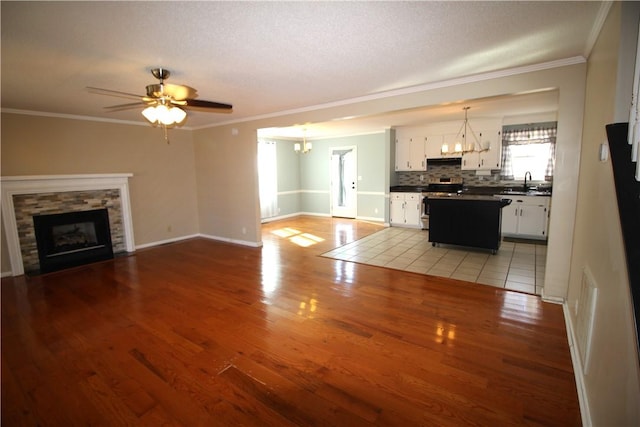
(73, 238)
(69, 238)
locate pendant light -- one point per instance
(462, 142)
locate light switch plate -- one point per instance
(603, 152)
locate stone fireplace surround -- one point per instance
(23, 196)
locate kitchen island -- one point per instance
(466, 220)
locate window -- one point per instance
(528, 149)
(268, 178)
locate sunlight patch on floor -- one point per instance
(298, 237)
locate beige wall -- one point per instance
(162, 189)
(227, 180)
(612, 380)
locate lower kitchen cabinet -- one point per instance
(526, 216)
(405, 209)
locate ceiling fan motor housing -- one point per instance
(160, 73)
(155, 90)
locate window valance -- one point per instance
(531, 135)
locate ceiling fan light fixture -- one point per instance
(164, 115)
(177, 114)
(150, 114)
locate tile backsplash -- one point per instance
(470, 178)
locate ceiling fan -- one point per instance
(165, 102)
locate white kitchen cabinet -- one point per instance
(470, 161)
(526, 216)
(403, 154)
(405, 209)
(492, 158)
(491, 141)
(418, 157)
(410, 153)
(433, 146)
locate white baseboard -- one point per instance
(370, 218)
(577, 368)
(205, 236)
(164, 242)
(324, 215)
(553, 300)
(6, 274)
(228, 240)
(279, 217)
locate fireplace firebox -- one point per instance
(73, 238)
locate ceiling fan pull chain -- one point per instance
(166, 134)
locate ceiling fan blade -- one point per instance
(101, 91)
(129, 106)
(197, 103)
(179, 92)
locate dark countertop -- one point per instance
(479, 191)
(472, 197)
(408, 188)
(508, 191)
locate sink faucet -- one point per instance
(525, 180)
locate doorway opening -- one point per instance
(344, 178)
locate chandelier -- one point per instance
(303, 148)
(462, 143)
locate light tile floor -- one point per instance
(516, 266)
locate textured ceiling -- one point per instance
(270, 57)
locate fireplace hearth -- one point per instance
(73, 238)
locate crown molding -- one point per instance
(376, 96)
(601, 17)
(77, 117)
(415, 89)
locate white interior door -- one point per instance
(344, 182)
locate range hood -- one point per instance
(457, 161)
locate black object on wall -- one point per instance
(628, 194)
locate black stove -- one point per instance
(439, 187)
(444, 185)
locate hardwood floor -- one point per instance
(208, 333)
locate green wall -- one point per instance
(303, 179)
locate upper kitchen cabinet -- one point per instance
(488, 155)
(410, 153)
(403, 154)
(433, 147)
